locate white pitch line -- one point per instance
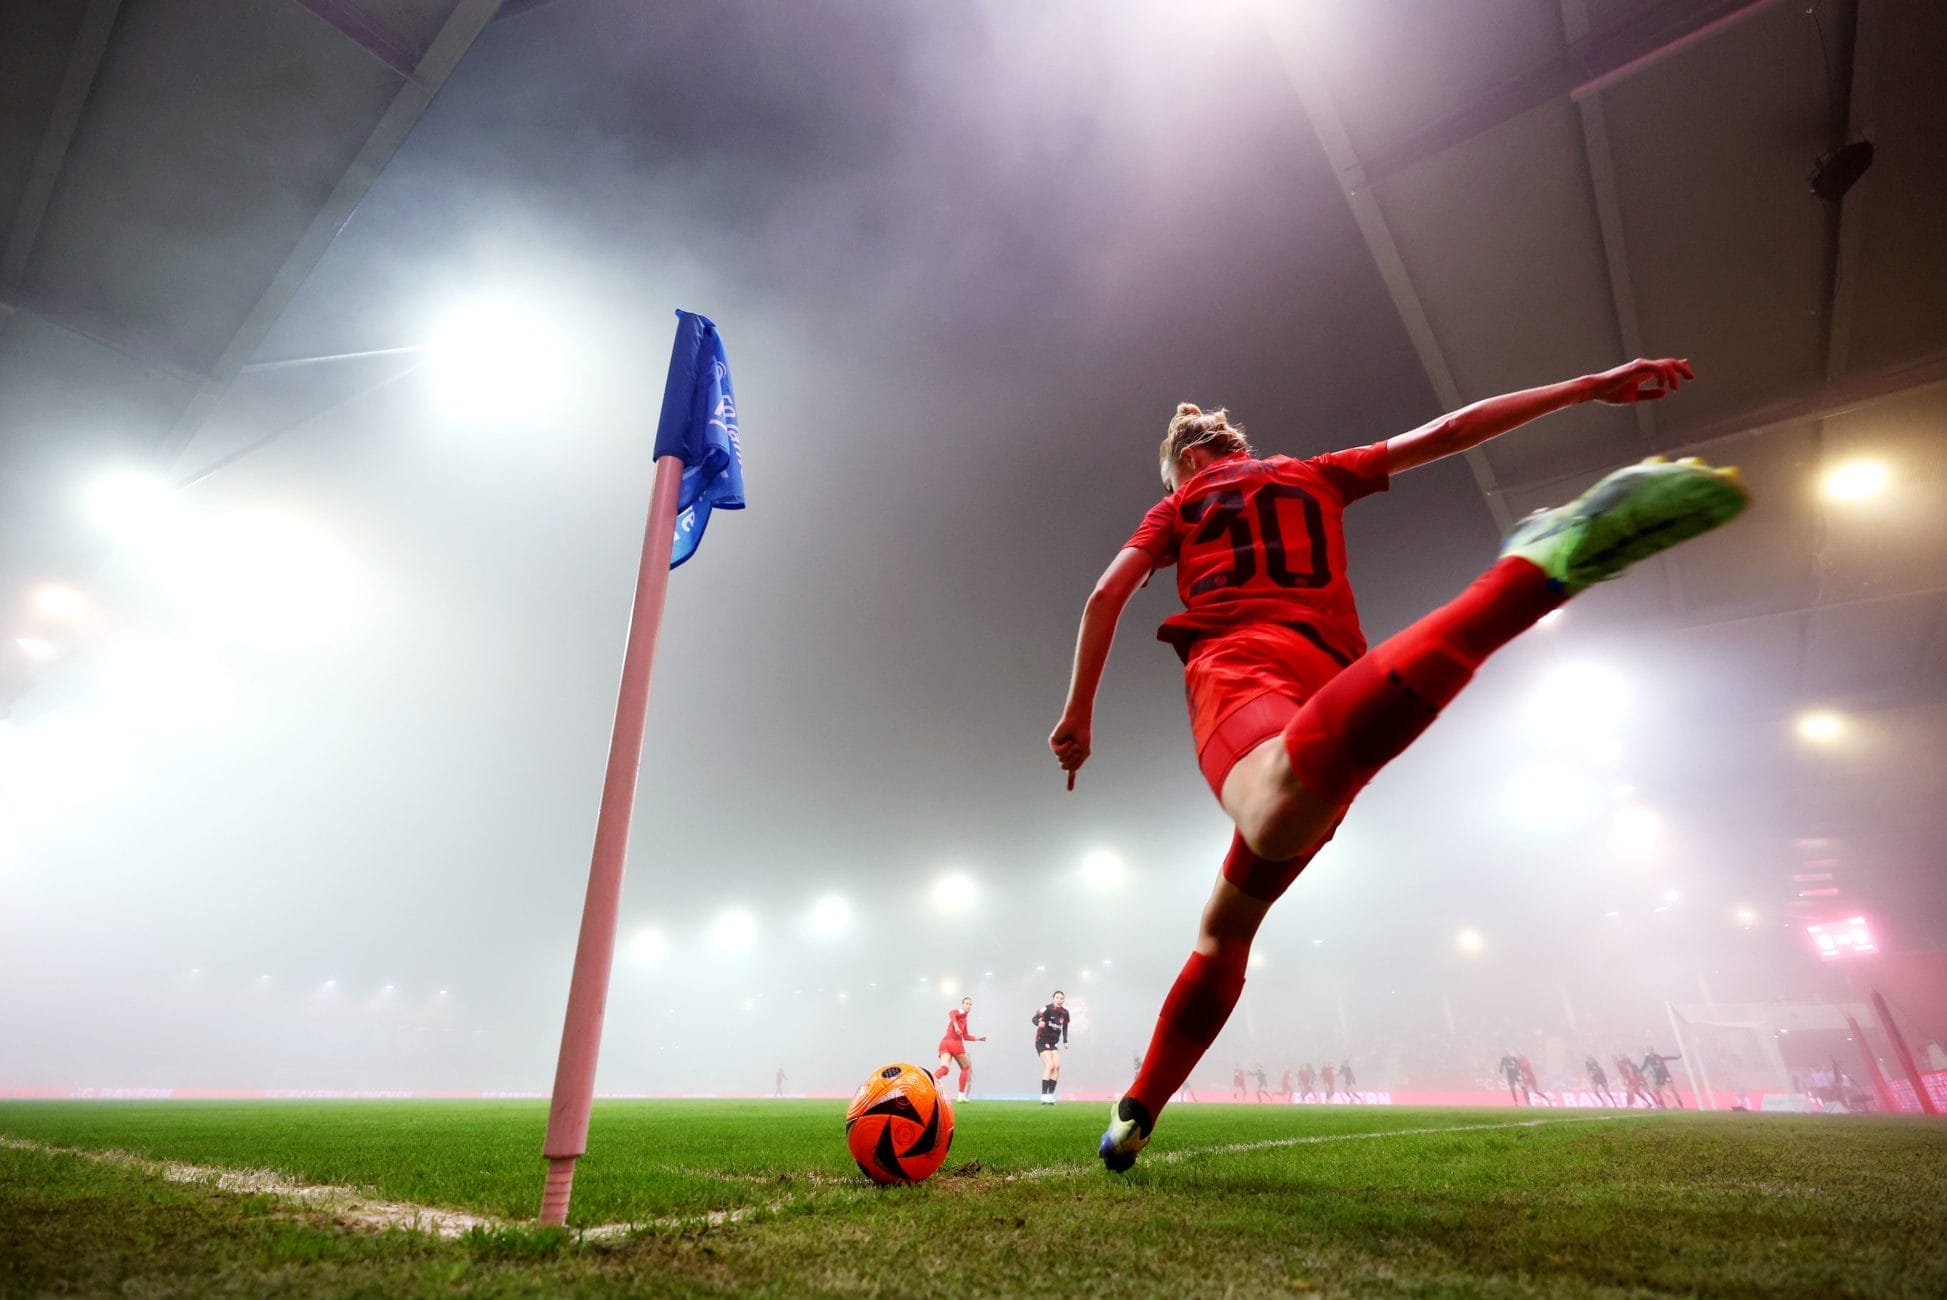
(344, 1203)
(1268, 1144)
(349, 1205)
(360, 1209)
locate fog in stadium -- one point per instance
(297, 792)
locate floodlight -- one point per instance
(1854, 480)
(57, 601)
(949, 986)
(1820, 727)
(1850, 937)
(648, 946)
(1102, 869)
(495, 362)
(1575, 699)
(954, 892)
(1256, 960)
(132, 507)
(734, 932)
(1671, 896)
(830, 915)
(1636, 832)
(1745, 916)
(262, 578)
(1468, 940)
(35, 648)
(1549, 796)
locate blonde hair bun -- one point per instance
(1190, 427)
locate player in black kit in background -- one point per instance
(1050, 1035)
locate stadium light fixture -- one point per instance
(1745, 917)
(34, 647)
(1469, 941)
(1580, 698)
(949, 986)
(648, 946)
(954, 892)
(1102, 869)
(1256, 961)
(1672, 896)
(1847, 938)
(1548, 797)
(260, 578)
(1636, 832)
(132, 507)
(1821, 726)
(1854, 480)
(734, 932)
(497, 362)
(830, 915)
(57, 601)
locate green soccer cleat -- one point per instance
(1629, 516)
(1129, 1126)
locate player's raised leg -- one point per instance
(1286, 796)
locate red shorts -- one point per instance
(953, 1047)
(1245, 686)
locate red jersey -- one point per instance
(956, 1023)
(1263, 541)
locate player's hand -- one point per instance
(1070, 743)
(1641, 381)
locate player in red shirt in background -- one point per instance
(953, 1047)
(1292, 715)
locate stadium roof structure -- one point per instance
(1644, 168)
(170, 173)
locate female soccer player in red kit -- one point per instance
(953, 1047)
(1291, 713)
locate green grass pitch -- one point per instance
(1243, 1200)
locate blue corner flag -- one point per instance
(699, 423)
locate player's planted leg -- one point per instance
(1199, 1002)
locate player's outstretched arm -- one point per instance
(1070, 740)
(1636, 381)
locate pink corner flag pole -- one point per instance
(581, 1035)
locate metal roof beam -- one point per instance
(1352, 180)
(1599, 61)
(84, 60)
(1823, 403)
(462, 26)
(1869, 21)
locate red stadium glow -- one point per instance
(1849, 938)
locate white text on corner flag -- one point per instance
(699, 424)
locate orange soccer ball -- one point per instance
(899, 1126)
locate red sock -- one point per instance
(965, 1077)
(940, 1073)
(1363, 718)
(1193, 1014)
